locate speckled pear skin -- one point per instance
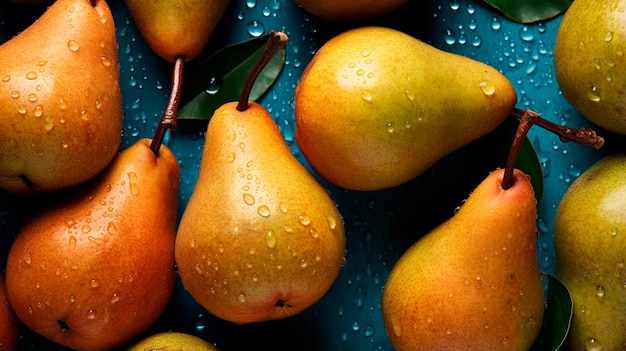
(590, 249)
(97, 270)
(376, 107)
(472, 283)
(60, 100)
(260, 238)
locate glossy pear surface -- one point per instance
(61, 107)
(349, 10)
(260, 238)
(472, 283)
(95, 271)
(9, 333)
(590, 248)
(589, 60)
(376, 107)
(175, 28)
(172, 341)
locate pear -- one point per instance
(172, 341)
(260, 238)
(590, 248)
(588, 61)
(473, 282)
(96, 270)
(9, 333)
(392, 106)
(349, 10)
(175, 28)
(62, 106)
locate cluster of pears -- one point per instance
(384, 122)
(62, 106)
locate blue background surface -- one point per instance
(379, 225)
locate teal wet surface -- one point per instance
(379, 225)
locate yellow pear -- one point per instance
(96, 270)
(260, 238)
(590, 247)
(349, 10)
(472, 283)
(376, 107)
(172, 341)
(61, 106)
(9, 333)
(175, 28)
(588, 61)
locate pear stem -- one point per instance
(169, 119)
(275, 43)
(529, 118)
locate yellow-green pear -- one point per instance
(589, 60)
(96, 270)
(472, 283)
(376, 107)
(173, 341)
(349, 10)
(175, 28)
(9, 333)
(590, 248)
(260, 238)
(60, 100)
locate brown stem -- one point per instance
(275, 43)
(529, 118)
(169, 119)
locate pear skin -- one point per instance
(376, 107)
(61, 107)
(472, 283)
(590, 248)
(172, 341)
(174, 28)
(9, 333)
(95, 271)
(349, 10)
(588, 61)
(260, 238)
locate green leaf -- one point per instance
(529, 11)
(220, 78)
(557, 317)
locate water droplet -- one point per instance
(303, 263)
(282, 207)
(264, 211)
(409, 95)
(38, 112)
(593, 345)
(91, 314)
(21, 109)
(526, 34)
(270, 239)
(390, 128)
(487, 88)
(32, 97)
(73, 45)
(367, 96)
(496, 24)
(600, 291)
(93, 283)
(304, 220)
(613, 232)
(86, 229)
(6, 78)
(215, 84)
(72, 242)
(115, 298)
(105, 61)
(594, 95)
(608, 36)
(332, 222)
(255, 28)
(248, 199)
(15, 94)
(242, 297)
(31, 75)
(365, 53)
